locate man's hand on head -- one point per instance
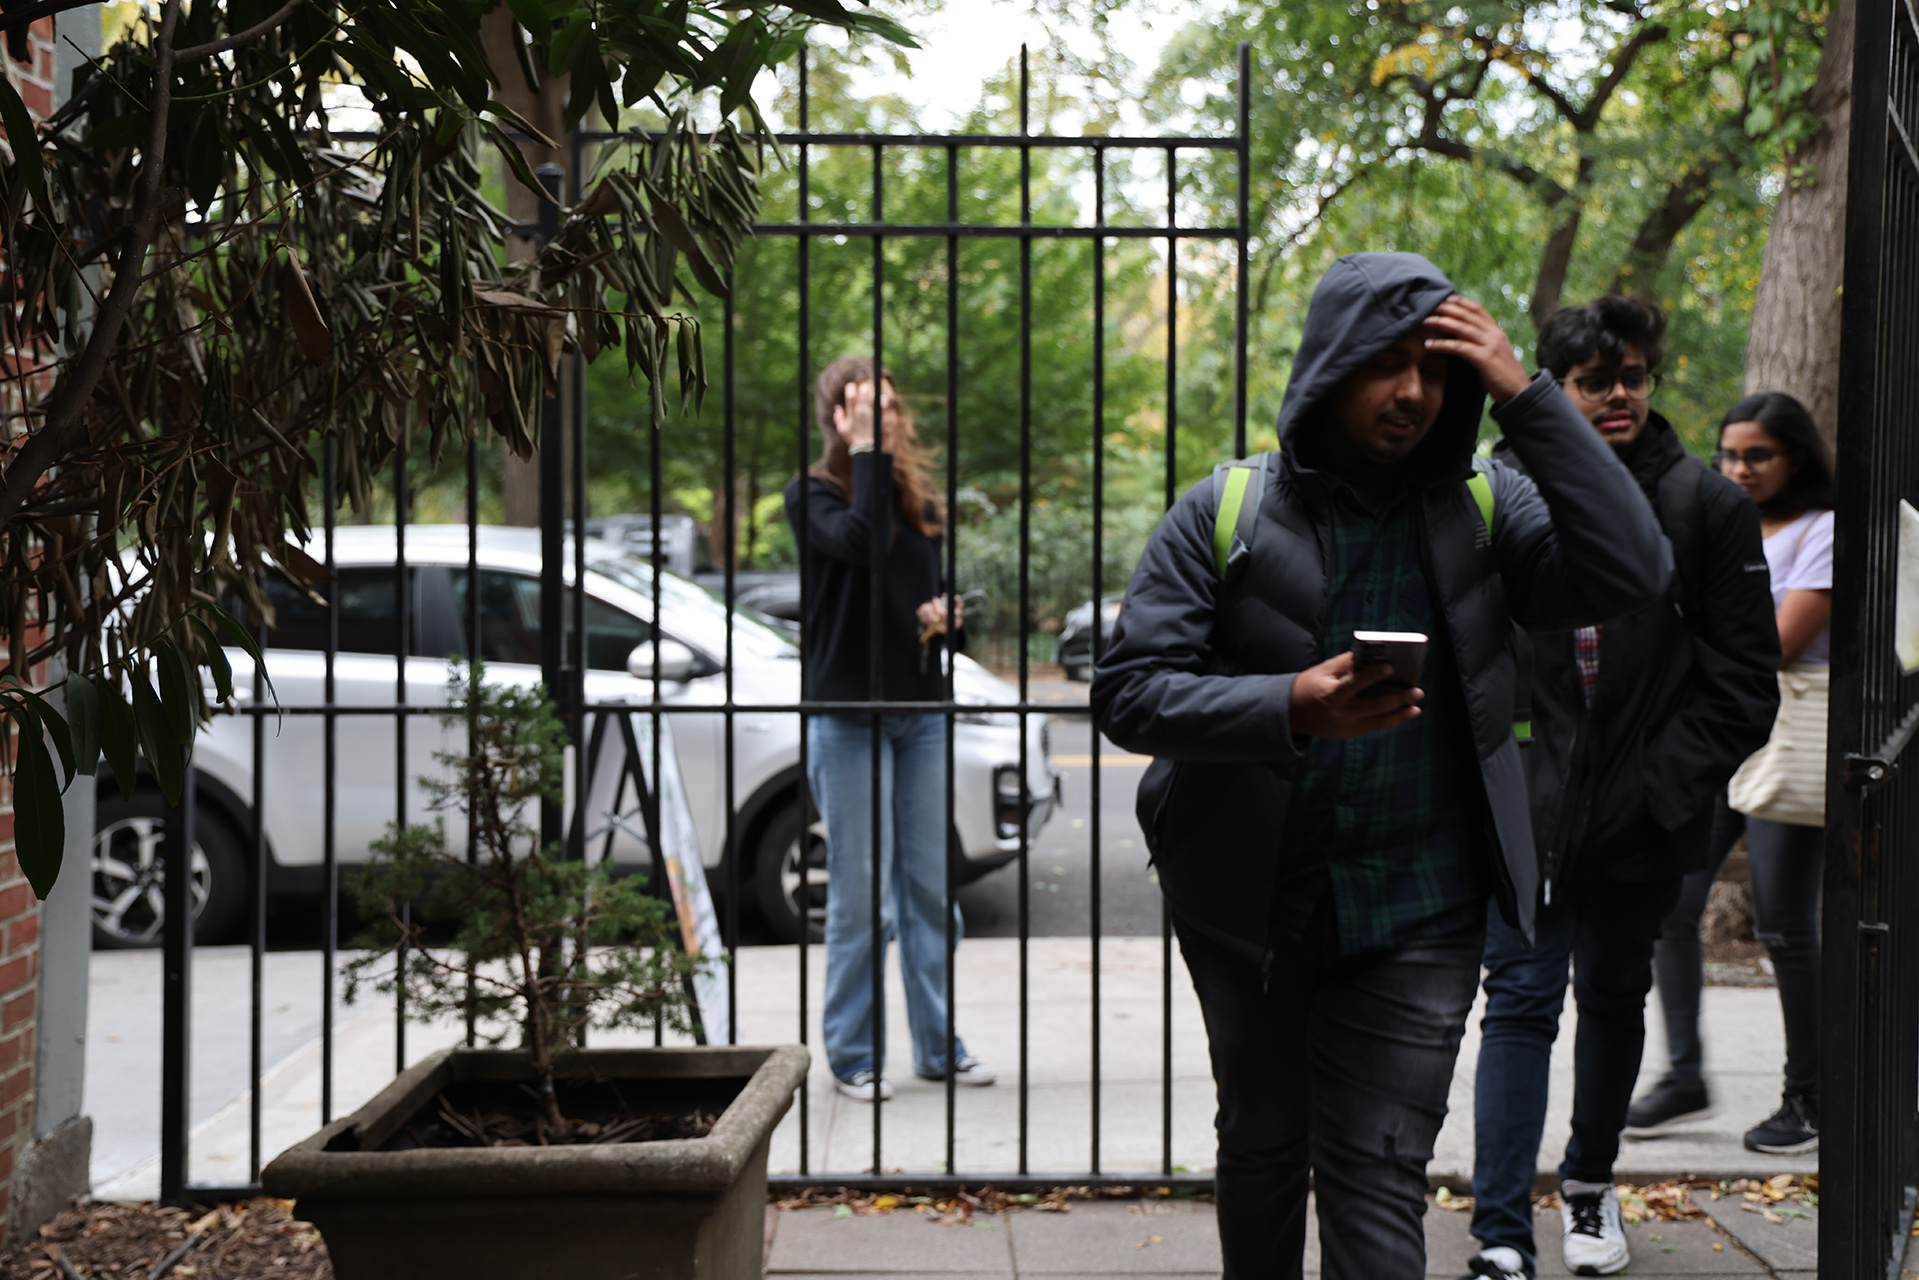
(1328, 700)
(1461, 327)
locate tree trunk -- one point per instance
(1793, 345)
(544, 109)
(1549, 286)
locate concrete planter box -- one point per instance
(685, 1208)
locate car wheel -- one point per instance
(129, 879)
(1080, 671)
(789, 874)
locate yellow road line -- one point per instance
(1082, 762)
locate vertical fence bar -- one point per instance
(1025, 567)
(1242, 155)
(803, 896)
(330, 777)
(1099, 620)
(473, 658)
(552, 460)
(176, 987)
(876, 688)
(257, 913)
(575, 698)
(730, 841)
(1172, 494)
(952, 588)
(402, 614)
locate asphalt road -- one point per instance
(1060, 866)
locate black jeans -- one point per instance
(1338, 1068)
(1787, 864)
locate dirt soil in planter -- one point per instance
(249, 1240)
(487, 1113)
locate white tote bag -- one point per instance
(1785, 780)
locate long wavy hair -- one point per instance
(918, 500)
(1789, 422)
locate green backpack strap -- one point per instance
(1481, 487)
(1237, 490)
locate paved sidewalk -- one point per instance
(1166, 1238)
(1742, 1028)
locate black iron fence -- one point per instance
(1869, 1159)
(418, 602)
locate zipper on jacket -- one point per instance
(1266, 973)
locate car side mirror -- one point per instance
(676, 662)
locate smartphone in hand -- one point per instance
(1405, 651)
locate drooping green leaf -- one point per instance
(674, 227)
(83, 716)
(239, 637)
(179, 690)
(567, 45)
(39, 814)
(157, 741)
(119, 734)
(206, 157)
(216, 661)
(532, 15)
(25, 142)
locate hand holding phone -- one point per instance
(1403, 651)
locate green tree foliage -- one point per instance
(1540, 154)
(197, 203)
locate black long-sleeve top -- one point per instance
(837, 626)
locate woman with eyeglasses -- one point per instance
(1770, 447)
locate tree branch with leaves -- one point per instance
(210, 280)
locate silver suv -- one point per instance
(782, 861)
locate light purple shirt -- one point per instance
(1800, 557)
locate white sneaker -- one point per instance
(861, 1086)
(970, 1071)
(1498, 1263)
(1595, 1243)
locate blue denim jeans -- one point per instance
(1606, 931)
(912, 872)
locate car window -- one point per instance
(366, 613)
(683, 599)
(510, 622)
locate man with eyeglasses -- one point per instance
(1636, 725)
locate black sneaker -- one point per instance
(1790, 1131)
(1668, 1105)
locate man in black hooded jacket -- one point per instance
(1326, 849)
(1637, 725)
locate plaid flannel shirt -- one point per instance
(1387, 823)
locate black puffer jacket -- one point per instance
(1201, 675)
(1687, 689)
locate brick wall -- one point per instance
(19, 912)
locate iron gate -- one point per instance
(563, 666)
(1869, 1160)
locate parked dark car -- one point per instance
(1074, 650)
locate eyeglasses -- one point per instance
(1638, 384)
(1727, 459)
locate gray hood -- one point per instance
(1365, 303)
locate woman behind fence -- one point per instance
(874, 475)
(1770, 447)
